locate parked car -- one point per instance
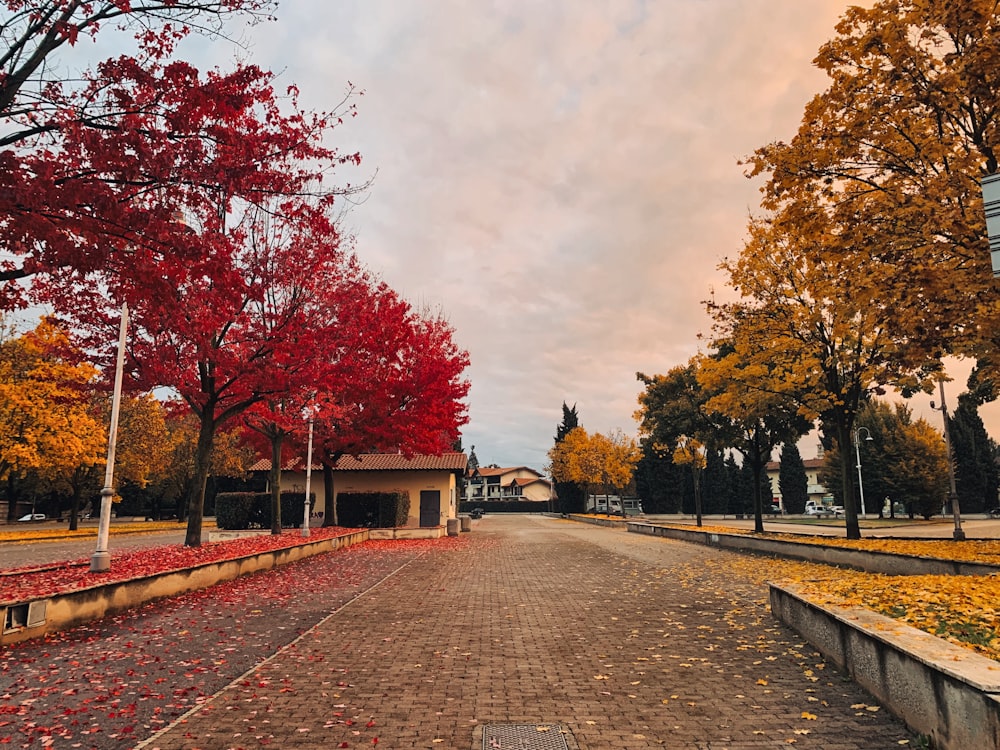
(32, 517)
(994, 512)
(476, 513)
(820, 510)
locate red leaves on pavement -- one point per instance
(114, 682)
(30, 582)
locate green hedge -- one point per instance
(373, 510)
(252, 510)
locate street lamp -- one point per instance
(100, 561)
(309, 462)
(958, 535)
(857, 460)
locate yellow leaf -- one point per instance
(809, 716)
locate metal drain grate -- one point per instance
(524, 737)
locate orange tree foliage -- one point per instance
(754, 419)
(46, 425)
(906, 460)
(810, 328)
(894, 148)
(873, 262)
(607, 461)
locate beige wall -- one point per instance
(379, 481)
(536, 491)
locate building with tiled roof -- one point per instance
(510, 483)
(431, 482)
(814, 487)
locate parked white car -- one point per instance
(32, 517)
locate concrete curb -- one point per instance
(871, 561)
(26, 620)
(947, 692)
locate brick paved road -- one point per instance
(625, 640)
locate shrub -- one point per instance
(252, 510)
(373, 510)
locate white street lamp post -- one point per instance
(958, 534)
(100, 561)
(857, 459)
(309, 463)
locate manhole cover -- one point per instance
(524, 737)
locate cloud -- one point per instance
(560, 177)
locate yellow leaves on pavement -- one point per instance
(964, 610)
(808, 716)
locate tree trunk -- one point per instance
(275, 480)
(696, 478)
(202, 464)
(847, 479)
(11, 497)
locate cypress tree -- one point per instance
(793, 484)
(570, 496)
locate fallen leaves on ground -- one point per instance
(964, 610)
(49, 533)
(109, 683)
(36, 582)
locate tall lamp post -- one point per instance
(857, 460)
(100, 561)
(958, 535)
(309, 462)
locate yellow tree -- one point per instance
(574, 459)
(893, 150)
(753, 417)
(142, 450)
(689, 451)
(621, 456)
(823, 332)
(230, 457)
(922, 473)
(45, 421)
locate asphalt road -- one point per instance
(20, 554)
(975, 527)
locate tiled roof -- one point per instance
(379, 462)
(525, 481)
(808, 463)
(488, 471)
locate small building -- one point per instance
(511, 483)
(430, 481)
(816, 490)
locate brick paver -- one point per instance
(627, 641)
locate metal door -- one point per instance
(430, 508)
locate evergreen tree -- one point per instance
(714, 483)
(658, 482)
(975, 470)
(743, 490)
(733, 479)
(793, 484)
(570, 496)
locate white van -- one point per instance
(612, 505)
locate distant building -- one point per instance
(817, 491)
(511, 483)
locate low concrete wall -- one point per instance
(874, 562)
(408, 532)
(33, 619)
(617, 523)
(947, 692)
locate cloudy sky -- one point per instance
(561, 178)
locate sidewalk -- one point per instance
(620, 640)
